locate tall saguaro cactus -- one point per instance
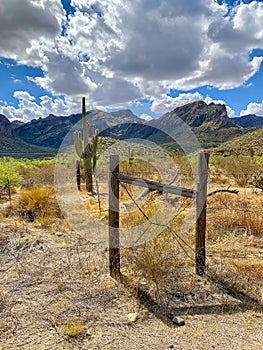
(87, 148)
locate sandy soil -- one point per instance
(51, 276)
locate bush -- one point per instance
(74, 328)
(38, 203)
(8, 174)
(257, 180)
(240, 168)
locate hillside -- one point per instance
(13, 146)
(244, 144)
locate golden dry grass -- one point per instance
(38, 204)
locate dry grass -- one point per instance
(38, 204)
(38, 176)
(235, 213)
(56, 286)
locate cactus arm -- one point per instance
(78, 143)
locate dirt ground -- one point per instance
(50, 277)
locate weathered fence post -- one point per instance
(200, 231)
(114, 239)
(78, 174)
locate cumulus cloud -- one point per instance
(28, 27)
(168, 103)
(115, 51)
(253, 108)
(29, 109)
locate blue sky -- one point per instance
(147, 56)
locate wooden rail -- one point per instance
(153, 185)
(199, 194)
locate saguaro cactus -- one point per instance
(87, 148)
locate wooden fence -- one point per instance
(114, 218)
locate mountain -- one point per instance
(15, 147)
(16, 124)
(210, 123)
(5, 127)
(198, 115)
(126, 115)
(248, 121)
(51, 131)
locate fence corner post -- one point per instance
(114, 239)
(200, 230)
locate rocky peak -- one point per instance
(202, 116)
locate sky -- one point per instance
(149, 56)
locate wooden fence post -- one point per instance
(78, 174)
(114, 239)
(200, 231)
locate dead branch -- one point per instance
(220, 191)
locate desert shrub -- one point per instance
(257, 180)
(37, 172)
(239, 168)
(38, 203)
(74, 328)
(153, 262)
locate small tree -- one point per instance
(9, 177)
(86, 150)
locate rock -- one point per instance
(132, 317)
(178, 321)
(59, 234)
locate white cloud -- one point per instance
(28, 109)
(146, 117)
(28, 27)
(115, 52)
(253, 108)
(168, 103)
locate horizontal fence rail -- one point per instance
(153, 185)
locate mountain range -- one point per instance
(209, 122)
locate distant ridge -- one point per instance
(249, 121)
(50, 131)
(209, 122)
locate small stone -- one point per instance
(59, 234)
(132, 317)
(171, 346)
(178, 321)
